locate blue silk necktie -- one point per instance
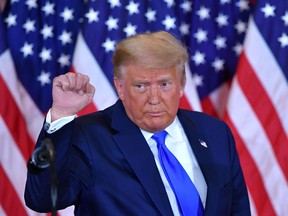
(188, 199)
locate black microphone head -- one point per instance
(40, 158)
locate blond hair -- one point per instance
(156, 50)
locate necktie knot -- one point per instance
(159, 137)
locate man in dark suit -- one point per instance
(107, 162)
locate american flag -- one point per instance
(257, 108)
(243, 83)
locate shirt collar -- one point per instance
(173, 130)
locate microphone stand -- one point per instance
(51, 152)
(43, 157)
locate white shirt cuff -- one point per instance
(51, 127)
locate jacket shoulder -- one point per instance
(199, 117)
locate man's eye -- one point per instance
(139, 86)
(164, 84)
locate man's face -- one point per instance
(150, 96)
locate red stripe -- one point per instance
(252, 176)
(208, 107)
(9, 198)
(15, 121)
(265, 111)
(88, 109)
(184, 104)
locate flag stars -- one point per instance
(198, 58)
(130, 30)
(201, 35)
(225, 1)
(132, 8)
(45, 55)
(112, 23)
(29, 26)
(48, 8)
(92, 15)
(184, 29)
(65, 37)
(268, 10)
(240, 27)
(238, 49)
(198, 80)
(114, 3)
(67, 14)
(63, 60)
(31, 4)
(220, 42)
(27, 49)
(203, 13)
(44, 78)
(285, 18)
(150, 15)
(283, 40)
(11, 20)
(170, 3)
(218, 64)
(47, 31)
(169, 23)
(222, 20)
(109, 45)
(243, 5)
(186, 6)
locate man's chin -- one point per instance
(156, 126)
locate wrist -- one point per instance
(57, 113)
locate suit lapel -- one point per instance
(200, 147)
(138, 154)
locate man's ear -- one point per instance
(119, 87)
(181, 92)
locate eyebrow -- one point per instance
(159, 79)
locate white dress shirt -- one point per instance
(176, 141)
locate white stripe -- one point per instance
(13, 164)
(219, 98)
(2, 212)
(67, 211)
(27, 107)
(190, 91)
(252, 205)
(268, 71)
(259, 147)
(84, 62)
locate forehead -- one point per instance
(134, 71)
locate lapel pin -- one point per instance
(203, 143)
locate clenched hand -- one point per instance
(71, 92)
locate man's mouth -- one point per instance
(156, 113)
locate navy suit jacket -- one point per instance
(105, 167)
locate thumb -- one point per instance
(90, 91)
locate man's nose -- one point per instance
(154, 94)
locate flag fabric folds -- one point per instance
(257, 109)
(237, 71)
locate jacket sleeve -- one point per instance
(72, 172)
(240, 200)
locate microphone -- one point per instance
(41, 157)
